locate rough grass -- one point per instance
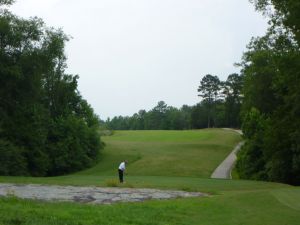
(233, 208)
(168, 160)
(182, 183)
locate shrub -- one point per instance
(12, 160)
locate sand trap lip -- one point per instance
(91, 195)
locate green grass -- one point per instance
(234, 173)
(166, 153)
(240, 208)
(168, 160)
(218, 186)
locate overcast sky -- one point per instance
(130, 54)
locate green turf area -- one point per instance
(180, 160)
(233, 208)
(166, 153)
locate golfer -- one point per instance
(121, 170)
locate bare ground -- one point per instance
(92, 195)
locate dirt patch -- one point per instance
(90, 195)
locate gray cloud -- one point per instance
(132, 53)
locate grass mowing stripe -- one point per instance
(168, 160)
(248, 208)
(169, 153)
(288, 197)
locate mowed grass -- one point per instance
(232, 208)
(166, 153)
(180, 160)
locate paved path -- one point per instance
(92, 195)
(223, 171)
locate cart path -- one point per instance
(223, 171)
(91, 195)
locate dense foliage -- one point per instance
(220, 107)
(271, 108)
(46, 128)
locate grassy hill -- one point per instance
(166, 153)
(164, 159)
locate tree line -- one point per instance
(46, 127)
(220, 107)
(271, 105)
(264, 99)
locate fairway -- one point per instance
(193, 153)
(134, 112)
(179, 160)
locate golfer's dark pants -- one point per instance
(121, 176)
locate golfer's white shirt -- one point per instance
(122, 166)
